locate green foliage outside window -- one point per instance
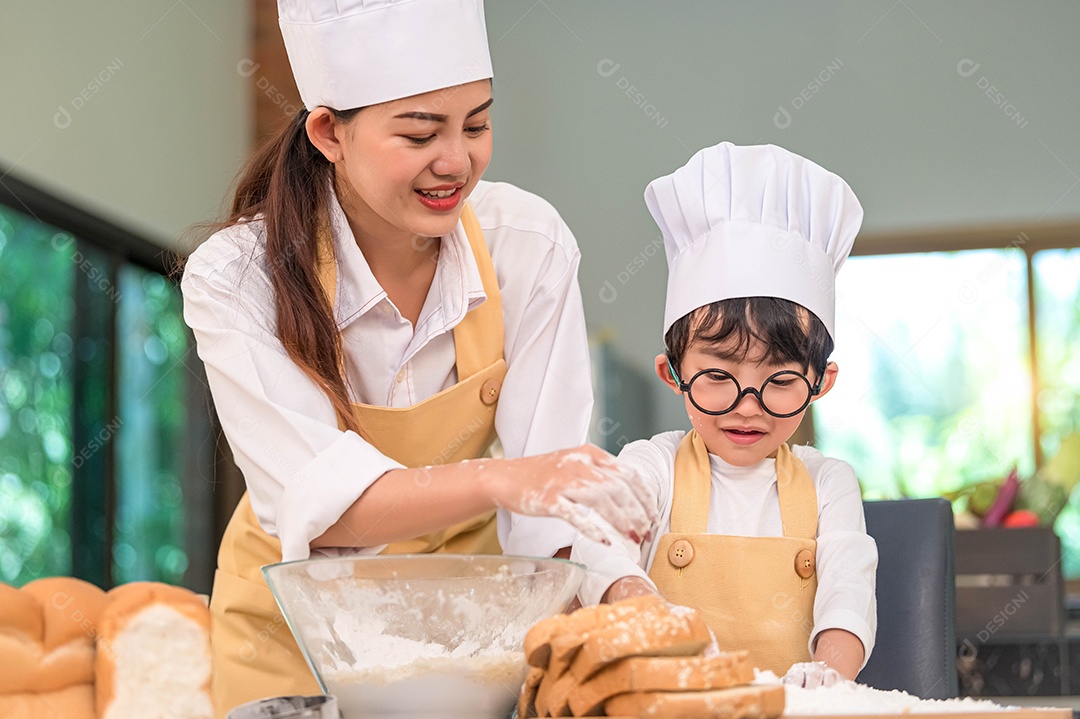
(935, 388)
(39, 267)
(1057, 297)
(149, 541)
(36, 351)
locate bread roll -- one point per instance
(22, 636)
(47, 637)
(75, 702)
(754, 702)
(153, 658)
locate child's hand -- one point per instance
(628, 587)
(812, 675)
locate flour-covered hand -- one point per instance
(581, 485)
(812, 675)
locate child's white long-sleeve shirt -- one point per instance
(744, 502)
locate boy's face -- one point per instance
(747, 434)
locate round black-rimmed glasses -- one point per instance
(716, 391)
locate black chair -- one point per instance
(915, 650)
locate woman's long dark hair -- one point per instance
(288, 182)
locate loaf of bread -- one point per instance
(553, 695)
(550, 646)
(659, 674)
(47, 642)
(528, 692)
(153, 659)
(641, 657)
(657, 630)
(539, 638)
(753, 702)
(567, 640)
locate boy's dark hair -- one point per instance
(789, 331)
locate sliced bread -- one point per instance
(753, 702)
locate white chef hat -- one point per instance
(354, 53)
(755, 221)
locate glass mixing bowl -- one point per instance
(425, 636)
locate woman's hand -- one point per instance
(571, 482)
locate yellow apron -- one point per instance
(254, 654)
(757, 593)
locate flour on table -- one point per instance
(852, 698)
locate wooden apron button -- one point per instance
(489, 392)
(680, 553)
(805, 563)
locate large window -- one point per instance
(954, 368)
(101, 410)
(149, 539)
(1057, 325)
(36, 350)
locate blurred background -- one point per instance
(125, 123)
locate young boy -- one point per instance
(768, 541)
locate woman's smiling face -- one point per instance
(410, 164)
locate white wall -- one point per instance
(134, 110)
(921, 142)
(160, 117)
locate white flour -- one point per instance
(852, 698)
(435, 649)
(388, 659)
(443, 645)
(428, 682)
(461, 691)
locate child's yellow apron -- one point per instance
(757, 593)
(254, 654)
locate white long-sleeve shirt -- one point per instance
(744, 502)
(301, 471)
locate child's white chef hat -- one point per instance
(755, 221)
(354, 53)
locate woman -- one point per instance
(373, 315)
